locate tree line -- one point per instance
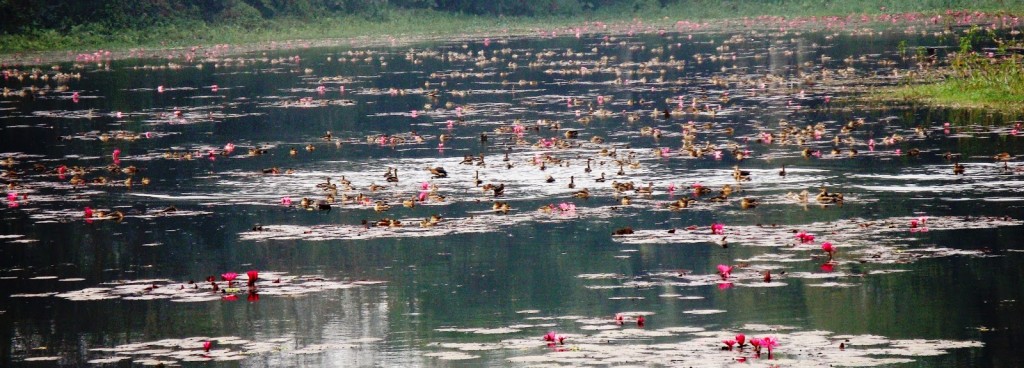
(27, 16)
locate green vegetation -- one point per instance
(121, 24)
(993, 79)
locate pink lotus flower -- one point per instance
(741, 339)
(117, 154)
(207, 345)
(717, 229)
(88, 212)
(550, 336)
(724, 270)
(828, 248)
(804, 237)
(253, 276)
(769, 342)
(729, 343)
(287, 201)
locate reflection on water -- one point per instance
(315, 163)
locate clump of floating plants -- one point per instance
(205, 349)
(629, 337)
(252, 285)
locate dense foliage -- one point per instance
(28, 25)
(21, 16)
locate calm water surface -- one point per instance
(485, 287)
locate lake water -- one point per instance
(482, 287)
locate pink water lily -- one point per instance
(729, 343)
(804, 237)
(207, 345)
(724, 270)
(717, 229)
(769, 342)
(253, 276)
(828, 248)
(741, 339)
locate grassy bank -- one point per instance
(403, 22)
(972, 77)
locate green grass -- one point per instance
(958, 93)
(972, 79)
(399, 22)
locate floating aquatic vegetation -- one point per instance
(269, 284)
(206, 349)
(614, 343)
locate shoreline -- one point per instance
(849, 23)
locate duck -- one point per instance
(502, 207)
(583, 194)
(438, 172)
(740, 175)
(374, 187)
(726, 190)
(680, 203)
(588, 169)
(958, 169)
(113, 215)
(323, 205)
(381, 206)
(600, 179)
(310, 147)
(272, 170)
(798, 197)
(645, 191)
(572, 183)
(826, 197)
(748, 203)
(328, 136)
(549, 179)
(476, 179)
(391, 176)
(625, 201)
(499, 190)
(293, 151)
